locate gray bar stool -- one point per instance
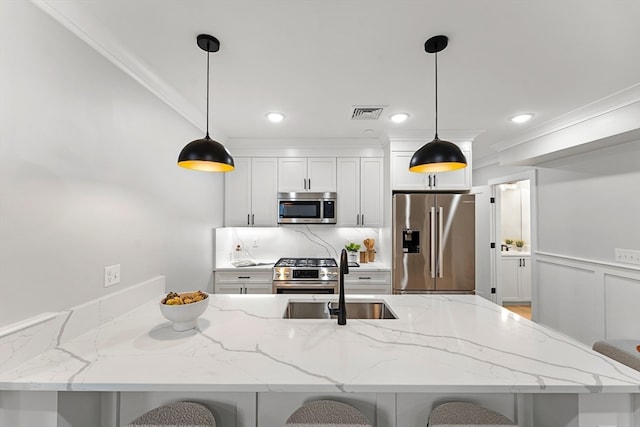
(464, 414)
(624, 351)
(327, 413)
(180, 414)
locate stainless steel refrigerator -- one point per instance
(433, 243)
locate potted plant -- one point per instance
(519, 244)
(352, 251)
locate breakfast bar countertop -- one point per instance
(439, 343)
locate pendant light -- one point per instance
(206, 154)
(437, 155)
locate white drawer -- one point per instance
(243, 276)
(367, 277)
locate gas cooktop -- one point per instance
(306, 262)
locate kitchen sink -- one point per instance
(355, 310)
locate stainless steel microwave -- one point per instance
(306, 208)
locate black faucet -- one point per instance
(341, 311)
(504, 247)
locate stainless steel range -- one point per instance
(305, 276)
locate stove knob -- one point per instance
(334, 274)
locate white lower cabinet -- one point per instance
(516, 278)
(367, 282)
(229, 282)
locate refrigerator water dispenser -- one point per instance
(411, 241)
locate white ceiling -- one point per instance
(314, 59)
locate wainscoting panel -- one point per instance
(622, 306)
(569, 300)
(586, 299)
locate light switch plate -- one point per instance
(627, 255)
(111, 275)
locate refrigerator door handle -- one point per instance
(440, 242)
(432, 252)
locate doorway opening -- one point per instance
(514, 227)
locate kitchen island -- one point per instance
(440, 347)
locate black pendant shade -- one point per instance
(206, 154)
(437, 155)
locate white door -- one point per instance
(258, 288)
(510, 280)
(371, 192)
(525, 279)
(401, 178)
(483, 242)
(264, 188)
(292, 174)
(455, 180)
(321, 174)
(237, 194)
(348, 182)
(229, 288)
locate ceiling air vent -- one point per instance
(366, 113)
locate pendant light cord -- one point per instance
(436, 95)
(208, 54)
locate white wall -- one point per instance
(589, 204)
(88, 176)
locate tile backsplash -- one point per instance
(268, 244)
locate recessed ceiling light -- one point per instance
(275, 117)
(521, 118)
(399, 117)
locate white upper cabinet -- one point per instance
(317, 174)
(402, 179)
(360, 192)
(250, 193)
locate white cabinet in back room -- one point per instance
(516, 278)
(243, 282)
(317, 174)
(360, 192)
(250, 193)
(402, 179)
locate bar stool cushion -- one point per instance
(626, 352)
(464, 414)
(327, 413)
(180, 414)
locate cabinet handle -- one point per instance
(304, 180)
(248, 223)
(429, 181)
(523, 261)
(519, 262)
(357, 219)
(362, 222)
(364, 278)
(434, 181)
(253, 222)
(309, 183)
(244, 277)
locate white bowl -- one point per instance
(184, 316)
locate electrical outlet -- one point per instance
(111, 275)
(255, 243)
(627, 255)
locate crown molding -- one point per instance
(103, 43)
(584, 113)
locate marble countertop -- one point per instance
(266, 266)
(439, 343)
(515, 253)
